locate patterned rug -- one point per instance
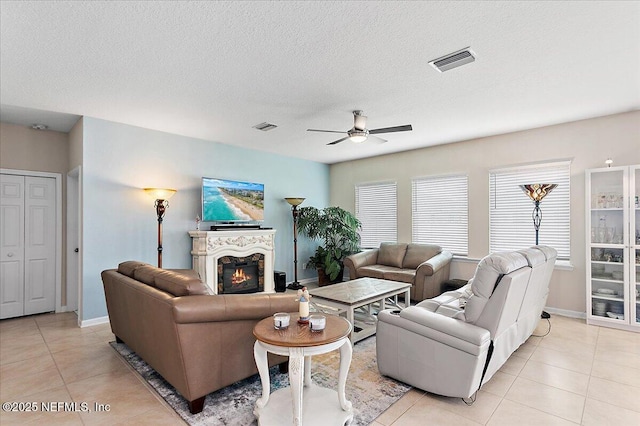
(369, 392)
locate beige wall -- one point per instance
(22, 148)
(588, 143)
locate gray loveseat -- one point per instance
(424, 266)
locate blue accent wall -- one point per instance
(119, 220)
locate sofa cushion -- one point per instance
(373, 271)
(391, 254)
(418, 253)
(145, 274)
(127, 268)
(179, 284)
(402, 275)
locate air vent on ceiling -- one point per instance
(265, 127)
(453, 60)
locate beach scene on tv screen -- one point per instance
(225, 201)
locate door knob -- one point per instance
(77, 249)
(9, 254)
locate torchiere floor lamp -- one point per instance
(537, 191)
(295, 202)
(161, 196)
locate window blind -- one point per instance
(510, 209)
(440, 212)
(376, 207)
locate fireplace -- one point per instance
(239, 275)
(211, 246)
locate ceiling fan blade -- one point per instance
(359, 122)
(404, 128)
(338, 141)
(325, 131)
(375, 139)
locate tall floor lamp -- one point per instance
(161, 195)
(537, 191)
(295, 202)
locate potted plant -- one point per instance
(337, 229)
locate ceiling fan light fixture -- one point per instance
(357, 137)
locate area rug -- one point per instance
(369, 392)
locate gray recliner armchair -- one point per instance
(452, 344)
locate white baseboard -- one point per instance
(566, 313)
(94, 321)
(305, 281)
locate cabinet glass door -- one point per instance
(635, 242)
(608, 253)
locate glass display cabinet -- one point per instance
(613, 247)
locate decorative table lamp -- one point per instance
(161, 196)
(295, 202)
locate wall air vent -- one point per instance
(453, 60)
(265, 127)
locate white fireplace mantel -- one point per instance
(209, 246)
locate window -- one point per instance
(440, 212)
(510, 209)
(376, 207)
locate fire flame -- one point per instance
(239, 277)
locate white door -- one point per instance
(28, 246)
(11, 246)
(39, 245)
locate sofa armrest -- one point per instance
(448, 331)
(195, 309)
(358, 260)
(437, 262)
(430, 276)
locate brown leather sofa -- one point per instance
(425, 266)
(198, 342)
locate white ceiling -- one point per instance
(212, 70)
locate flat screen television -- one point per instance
(231, 201)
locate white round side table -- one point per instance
(302, 402)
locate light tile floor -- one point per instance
(578, 374)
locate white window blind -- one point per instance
(510, 209)
(376, 207)
(440, 212)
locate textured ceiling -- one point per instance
(212, 70)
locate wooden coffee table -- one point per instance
(345, 298)
(302, 402)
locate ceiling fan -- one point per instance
(359, 133)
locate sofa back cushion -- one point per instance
(146, 274)
(127, 268)
(418, 253)
(391, 254)
(174, 283)
(179, 284)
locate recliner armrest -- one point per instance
(451, 332)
